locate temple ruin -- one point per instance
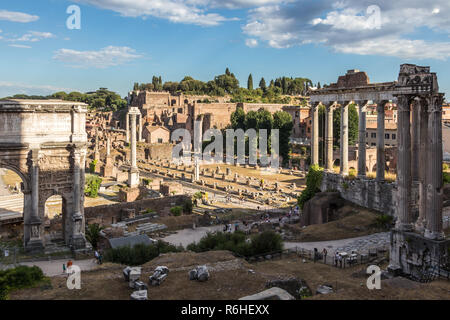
(418, 241)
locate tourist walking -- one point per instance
(340, 261)
(336, 258)
(324, 253)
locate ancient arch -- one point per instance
(45, 143)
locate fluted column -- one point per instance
(329, 137)
(315, 134)
(133, 140)
(35, 186)
(344, 138)
(415, 137)
(433, 228)
(127, 124)
(381, 157)
(140, 128)
(76, 184)
(404, 221)
(362, 140)
(423, 164)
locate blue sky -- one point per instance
(125, 41)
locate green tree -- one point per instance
(352, 125)
(262, 84)
(283, 121)
(238, 119)
(250, 82)
(93, 234)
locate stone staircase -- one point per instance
(11, 206)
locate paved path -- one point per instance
(359, 244)
(54, 267)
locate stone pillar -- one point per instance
(415, 138)
(35, 242)
(344, 138)
(140, 128)
(329, 138)
(433, 229)
(127, 124)
(423, 164)
(108, 146)
(133, 176)
(404, 218)
(362, 140)
(77, 240)
(315, 134)
(381, 157)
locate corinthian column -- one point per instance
(329, 137)
(127, 124)
(133, 176)
(415, 141)
(404, 165)
(362, 140)
(344, 138)
(423, 164)
(433, 228)
(315, 135)
(381, 157)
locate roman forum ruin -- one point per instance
(418, 239)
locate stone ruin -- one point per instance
(201, 273)
(158, 276)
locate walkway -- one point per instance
(54, 267)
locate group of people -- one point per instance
(98, 257)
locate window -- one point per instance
(386, 136)
(373, 135)
(373, 144)
(367, 134)
(160, 140)
(394, 136)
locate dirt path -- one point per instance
(54, 268)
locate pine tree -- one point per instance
(250, 82)
(227, 72)
(262, 84)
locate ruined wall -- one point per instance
(366, 193)
(107, 214)
(159, 151)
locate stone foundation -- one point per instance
(412, 254)
(129, 195)
(368, 193)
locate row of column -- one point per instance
(344, 167)
(139, 115)
(420, 160)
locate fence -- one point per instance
(318, 257)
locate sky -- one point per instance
(120, 42)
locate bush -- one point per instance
(176, 211)
(93, 234)
(265, 242)
(92, 186)
(139, 254)
(92, 166)
(313, 181)
(188, 206)
(19, 278)
(384, 220)
(446, 177)
(445, 167)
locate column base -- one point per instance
(420, 226)
(34, 246)
(78, 241)
(394, 269)
(133, 178)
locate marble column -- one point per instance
(77, 239)
(423, 164)
(344, 138)
(33, 223)
(362, 140)
(140, 128)
(127, 124)
(133, 176)
(415, 138)
(404, 219)
(315, 134)
(433, 229)
(108, 146)
(329, 138)
(381, 157)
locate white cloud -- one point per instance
(355, 26)
(17, 16)
(106, 57)
(8, 88)
(19, 46)
(34, 36)
(252, 43)
(173, 10)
